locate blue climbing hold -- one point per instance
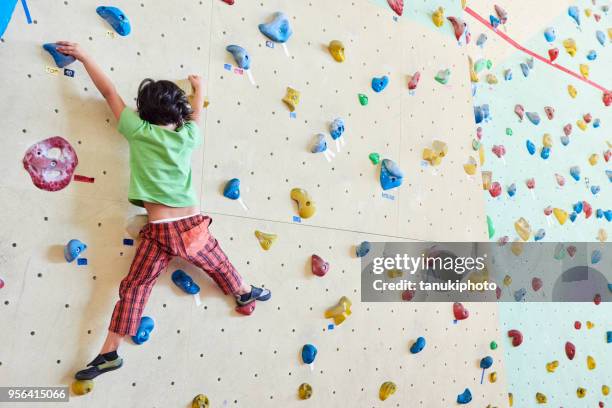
(418, 345)
(596, 123)
(565, 140)
(378, 84)
(519, 295)
(592, 55)
(609, 336)
(185, 282)
(232, 189)
(391, 175)
(320, 145)
(494, 21)
(599, 213)
(61, 60)
(511, 190)
(73, 249)
(609, 174)
(534, 117)
(481, 113)
(486, 362)
(144, 330)
(336, 128)
(545, 153)
(309, 353)
(116, 18)
(601, 37)
(573, 216)
(465, 397)
(6, 12)
(575, 172)
(578, 207)
(363, 249)
(574, 12)
(530, 147)
(595, 256)
(482, 39)
(241, 56)
(525, 69)
(595, 189)
(278, 30)
(540, 234)
(550, 34)
(508, 74)
(608, 215)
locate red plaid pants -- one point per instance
(189, 239)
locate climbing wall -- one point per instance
(58, 312)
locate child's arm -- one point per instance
(197, 101)
(99, 78)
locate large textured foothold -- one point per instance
(265, 240)
(82, 387)
(340, 311)
(144, 330)
(73, 249)
(116, 18)
(318, 266)
(306, 207)
(336, 128)
(336, 49)
(200, 401)
(465, 397)
(460, 312)
(309, 353)
(185, 282)
(418, 345)
(362, 249)
(305, 391)
(232, 189)
(278, 30)
(386, 390)
(61, 60)
(397, 6)
(241, 56)
(391, 175)
(570, 350)
(50, 171)
(516, 336)
(378, 84)
(292, 98)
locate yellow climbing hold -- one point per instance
(473, 74)
(588, 12)
(306, 207)
(435, 155)
(523, 228)
(552, 366)
(507, 280)
(591, 363)
(584, 70)
(602, 235)
(438, 17)
(305, 391)
(394, 273)
(510, 399)
(541, 398)
(570, 46)
(547, 140)
(464, 3)
(386, 390)
(292, 98)
(517, 247)
(560, 215)
(605, 390)
(581, 392)
(200, 401)
(491, 79)
(470, 167)
(336, 49)
(340, 311)
(590, 324)
(572, 91)
(593, 159)
(581, 124)
(486, 179)
(265, 240)
(481, 155)
(493, 377)
(82, 387)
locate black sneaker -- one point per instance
(255, 294)
(98, 366)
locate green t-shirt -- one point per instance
(160, 161)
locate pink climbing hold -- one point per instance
(318, 265)
(397, 6)
(520, 111)
(536, 284)
(530, 183)
(1, 283)
(246, 310)
(597, 299)
(499, 150)
(587, 117)
(460, 312)
(495, 189)
(498, 292)
(567, 129)
(571, 251)
(577, 325)
(516, 336)
(414, 81)
(560, 180)
(570, 350)
(459, 26)
(51, 163)
(550, 112)
(548, 210)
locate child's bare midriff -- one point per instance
(161, 212)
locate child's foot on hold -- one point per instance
(255, 294)
(101, 364)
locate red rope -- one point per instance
(533, 54)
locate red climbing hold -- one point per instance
(597, 299)
(407, 295)
(246, 310)
(414, 81)
(230, 2)
(536, 284)
(517, 337)
(397, 6)
(553, 53)
(587, 209)
(587, 117)
(607, 98)
(577, 325)
(460, 312)
(318, 265)
(570, 350)
(498, 292)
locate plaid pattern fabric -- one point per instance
(188, 238)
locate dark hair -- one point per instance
(162, 103)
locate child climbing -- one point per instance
(162, 135)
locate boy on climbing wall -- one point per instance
(162, 135)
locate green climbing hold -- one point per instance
(493, 345)
(509, 132)
(475, 144)
(489, 64)
(374, 158)
(363, 99)
(490, 227)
